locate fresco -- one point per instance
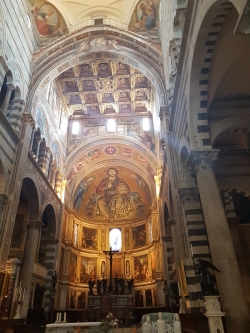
(141, 272)
(72, 299)
(112, 193)
(139, 236)
(56, 152)
(40, 121)
(48, 20)
(72, 267)
(138, 298)
(145, 15)
(89, 238)
(88, 270)
(81, 300)
(124, 152)
(148, 296)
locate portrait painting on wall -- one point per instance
(89, 238)
(72, 267)
(138, 298)
(111, 193)
(81, 300)
(155, 301)
(117, 267)
(48, 20)
(139, 236)
(88, 270)
(145, 15)
(72, 299)
(153, 265)
(148, 296)
(141, 269)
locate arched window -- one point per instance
(115, 239)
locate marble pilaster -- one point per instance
(228, 280)
(28, 262)
(10, 88)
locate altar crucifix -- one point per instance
(110, 253)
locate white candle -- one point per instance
(192, 252)
(60, 317)
(64, 318)
(57, 317)
(23, 293)
(179, 290)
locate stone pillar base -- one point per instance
(214, 314)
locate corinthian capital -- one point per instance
(189, 194)
(28, 119)
(203, 161)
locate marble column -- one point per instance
(223, 256)
(241, 259)
(38, 148)
(10, 88)
(28, 262)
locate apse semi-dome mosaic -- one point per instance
(112, 193)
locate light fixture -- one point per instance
(145, 124)
(75, 127)
(111, 125)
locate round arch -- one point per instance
(210, 14)
(47, 67)
(49, 222)
(30, 190)
(229, 125)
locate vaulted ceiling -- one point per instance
(76, 11)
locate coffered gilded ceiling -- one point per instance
(106, 88)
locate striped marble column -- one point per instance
(50, 263)
(227, 201)
(45, 162)
(15, 118)
(6, 104)
(197, 236)
(42, 154)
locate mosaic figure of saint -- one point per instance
(115, 200)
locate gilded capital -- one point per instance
(203, 161)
